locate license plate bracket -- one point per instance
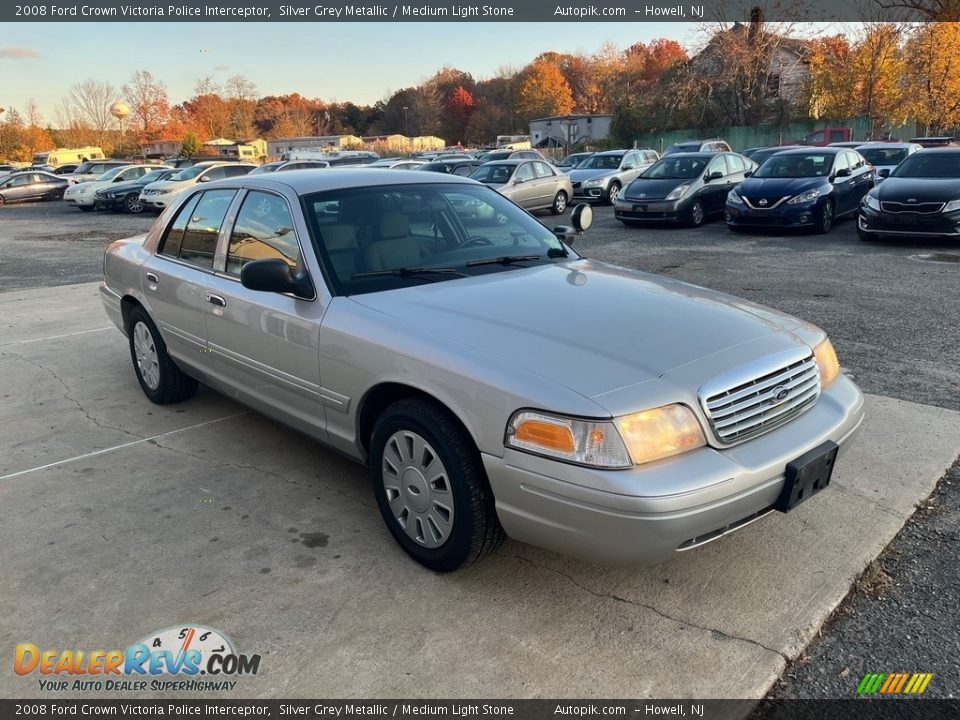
(807, 475)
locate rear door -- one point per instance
(176, 280)
(266, 345)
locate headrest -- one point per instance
(394, 225)
(339, 237)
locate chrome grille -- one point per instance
(759, 404)
(922, 208)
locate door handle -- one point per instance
(151, 277)
(216, 300)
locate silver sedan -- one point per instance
(531, 184)
(494, 381)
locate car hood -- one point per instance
(124, 187)
(776, 188)
(919, 189)
(653, 189)
(630, 327)
(88, 187)
(584, 174)
(167, 185)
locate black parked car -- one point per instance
(759, 155)
(31, 186)
(682, 187)
(806, 188)
(920, 197)
(126, 196)
(453, 167)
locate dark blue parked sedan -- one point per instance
(804, 188)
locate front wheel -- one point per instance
(695, 214)
(613, 193)
(85, 208)
(133, 204)
(559, 203)
(430, 486)
(2, 200)
(159, 377)
(825, 218)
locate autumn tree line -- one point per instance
(885, 71)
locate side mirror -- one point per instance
(627, 167)
(883, 172)
(715, 175)
(843, 172)
(582, 217)
(518, 181)
(566, 233)
(748, 173)
(275, 276)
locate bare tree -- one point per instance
(207, 86)
(243, 97)
(149, 106)
(91, 100)
(34, 119)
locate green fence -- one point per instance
(741, 138)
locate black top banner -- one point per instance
(330, 11)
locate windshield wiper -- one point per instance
(408, 271)
(503, 260)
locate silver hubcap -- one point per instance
(134, 205)
(697, 213)
(418, 489)
(614, 193)
(560, 203)
(148, 362)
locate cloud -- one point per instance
(221, 68)
(18, 53)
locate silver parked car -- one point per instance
(601, 177)
(494, 381)
(531, 184)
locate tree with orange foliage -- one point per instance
(460, 108)
(543, 91)
(932, 75)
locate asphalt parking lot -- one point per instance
(127, 517)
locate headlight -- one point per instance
(808, 196)
(827, 362)
(585, 442)
(952, 205)
(626, 441)
(677, 192)
(660, 433)
(733, 197)
(871, 202)
(596, 182)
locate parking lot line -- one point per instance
(57, 337)
(103, 451)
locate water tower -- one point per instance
(120, 110)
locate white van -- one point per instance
(65, 156)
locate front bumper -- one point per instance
(589, 194)
(79, 200)
(642, 210)
(107, 203)
(158, 202)
(784, 216)
(631, 517)
(932, 224)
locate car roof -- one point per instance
(955, 150)
(697, 154)
(886, 145)
(320, 180)
(613, 152)
(812, 150)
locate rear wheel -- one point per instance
(133, 204)
(430, 486)
(559, 203)
(2, 200)
(159, 377)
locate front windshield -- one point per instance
(111, 174)
(393, 236)
(493, 174)
(266, 168)
(796, 165)
(676, 168)
(884, 156)
(189, 173)
(601, 162)
(929, 165)
(151, 176)
(573, 160)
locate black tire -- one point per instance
(173, 385)
(475, 531)
(559, 203)
(3, 200)
(612, 192)
(133, 204)
(825, 218)
(85, 208)
(695, 214)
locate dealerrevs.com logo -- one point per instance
(190, 658)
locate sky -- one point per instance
(359, 62)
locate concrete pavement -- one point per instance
(122, 517)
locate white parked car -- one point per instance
(83, 195)
(160, 194)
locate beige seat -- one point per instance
(396, 247)
(341, 242)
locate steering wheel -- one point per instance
(477, 240)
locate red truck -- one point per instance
(825, 136)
